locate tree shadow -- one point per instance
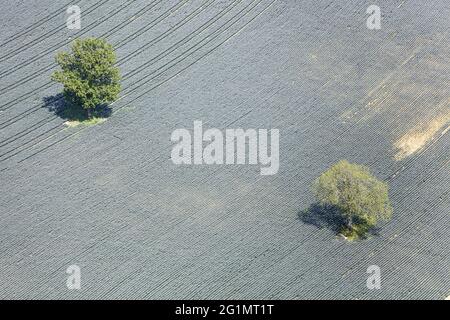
(70, 112)
(322, 216)
(329, 217)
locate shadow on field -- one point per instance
(329, 217)
(322, 216)
(67, 111)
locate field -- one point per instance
(107, 197)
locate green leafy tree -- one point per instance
(360, 198)
(88, 74)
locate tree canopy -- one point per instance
(361, 199)
(88, 74)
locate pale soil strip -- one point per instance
(414, 140)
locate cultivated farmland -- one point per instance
(109, 199)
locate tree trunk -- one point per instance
(349, 222)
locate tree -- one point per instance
(360, 198)
(88, 74)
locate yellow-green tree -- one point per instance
(361, 199)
